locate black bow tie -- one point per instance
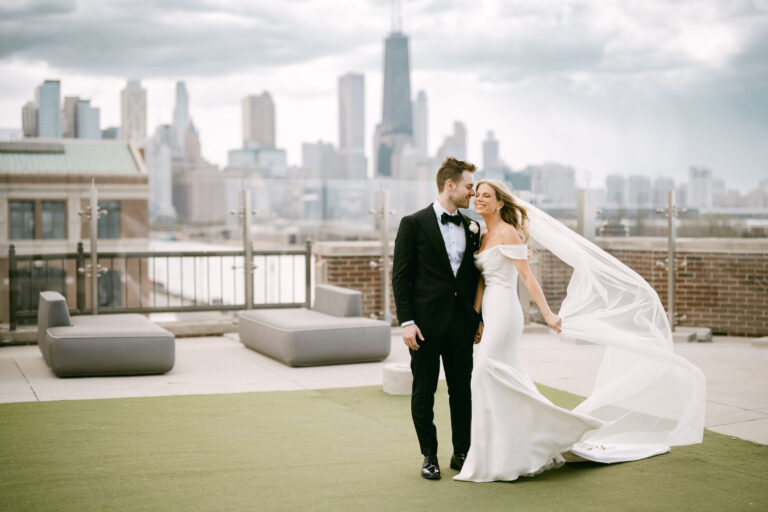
(446, 218)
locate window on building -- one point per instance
(22, 217)
(53, 219)
(109, 225)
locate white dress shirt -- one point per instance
(454, 237)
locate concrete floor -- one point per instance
(736, 371)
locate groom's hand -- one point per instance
(479, 333)
(410, 332)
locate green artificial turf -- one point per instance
(340, 450)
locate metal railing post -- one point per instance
(80, 278)
(671, 211)
(382, 214)
(13, 288)
(308, 274)
(94, 210)
(247, 248)
(671, 265)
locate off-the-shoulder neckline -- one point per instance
(498, 245)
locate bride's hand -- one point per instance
(553, 321)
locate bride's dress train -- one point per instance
(515, 429)
(645, 397)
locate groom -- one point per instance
(434, 281)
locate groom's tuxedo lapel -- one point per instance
(471, 246)
(432, 229)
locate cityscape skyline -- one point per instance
(666, 112)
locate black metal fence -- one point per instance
(152, 282)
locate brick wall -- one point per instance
(722, 285)
(348, 264)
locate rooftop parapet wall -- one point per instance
(723, 284)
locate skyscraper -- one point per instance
(454, 145)
(352, 125)
(490, 152)
(133, 113)
(157, 156)
(87, 121)
(395, 132)
(29, 119)
(259, 121)
(616, 190)
(420, 133)
(661, 188)
(69, 117)
(699, 187)
(48, 99)
(180, 117)
(639, 191)
(352, 111)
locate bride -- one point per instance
(645, 397)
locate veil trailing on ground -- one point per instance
(648, 397)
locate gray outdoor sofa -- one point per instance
(332, 332)
(101, 344)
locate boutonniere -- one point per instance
(474, 228)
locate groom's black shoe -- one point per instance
(457, 461)
(430, 469)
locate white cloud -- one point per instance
(607, 86)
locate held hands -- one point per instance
(553, 321)
(410, 332)
(479, 333)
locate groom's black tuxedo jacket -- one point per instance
(423, 283)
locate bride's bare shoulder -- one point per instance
(509, 235)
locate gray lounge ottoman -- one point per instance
(102, 344)
(332, 332)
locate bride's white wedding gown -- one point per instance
(515, 429)
(645, 397)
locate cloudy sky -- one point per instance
(604, 85)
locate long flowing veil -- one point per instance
(648, 397)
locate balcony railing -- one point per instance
(168, 281)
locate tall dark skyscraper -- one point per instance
(396, 128)
(396, 109)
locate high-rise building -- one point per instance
(48, 99)
(133, 113)
(87, 121)
(258, 121)
(158, 160)
(69, 117)
(420, 129)
(352, 112)
(352, 126)
(395, 132)
(639, 191)
(321, 160)
(180, 117)
(661, 188)
(29, 119)
(553, 183)
(615, 190)
(192, 151)
(454, 145)
(490, 152)
(699, 187)
(396, 114)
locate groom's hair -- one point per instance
(451, 169)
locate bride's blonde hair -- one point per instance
(511, 212)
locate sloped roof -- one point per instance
(70, 156)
